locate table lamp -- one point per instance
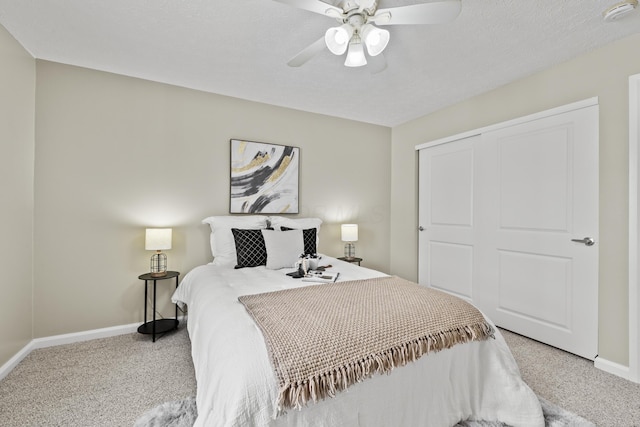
(157, 239)
(349, 235)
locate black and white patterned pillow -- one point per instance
(250, 248)
(309, 238)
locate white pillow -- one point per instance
(297, 223)
(223, 247)
(283, 248)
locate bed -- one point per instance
(235, 377)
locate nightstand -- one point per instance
(352, 260)
(159, 326)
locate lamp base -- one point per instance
(159, 274)
(158, 265)
(349, 250)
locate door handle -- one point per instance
(421, 228)
(587, 241)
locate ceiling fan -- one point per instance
(357, 30)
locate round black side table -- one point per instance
(353, 260)
(159, 326)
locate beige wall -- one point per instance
(17, 107)
(116, 154)
(603, 73)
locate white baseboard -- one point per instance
(69, 339)
(84, 336)
(17, 358)
(612, 368)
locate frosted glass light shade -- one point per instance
(337, 38)
(157, 239)
(376, 39)
(355, 55)
(349, 232)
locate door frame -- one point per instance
(531, 117)
(634, 228)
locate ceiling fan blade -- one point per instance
(307, 53)
(425, 13)
(367, 4)
(316, 6)
(377, 64)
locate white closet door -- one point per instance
(499, 213)
(446, 185)
(537, 195)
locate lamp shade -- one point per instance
(157, 239)
(337, 38)
(349, 232)
(355, 55)
(375, 39)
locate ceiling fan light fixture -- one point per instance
(337, 38)
(359, 22)
(375, 39)
(355, 56)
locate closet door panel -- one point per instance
(447, 218)
(537, 191)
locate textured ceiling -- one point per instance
(240, 48)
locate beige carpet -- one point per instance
(104, 382)
(114, 381)
(574, 384)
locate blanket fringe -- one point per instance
(297, 395)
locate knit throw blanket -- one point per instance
(322, 339)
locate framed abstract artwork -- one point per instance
(264, 178)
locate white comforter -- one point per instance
(237, 385)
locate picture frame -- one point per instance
(264, 178)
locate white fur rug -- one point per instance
(179, 413)
(554, 416)
(183, 413)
